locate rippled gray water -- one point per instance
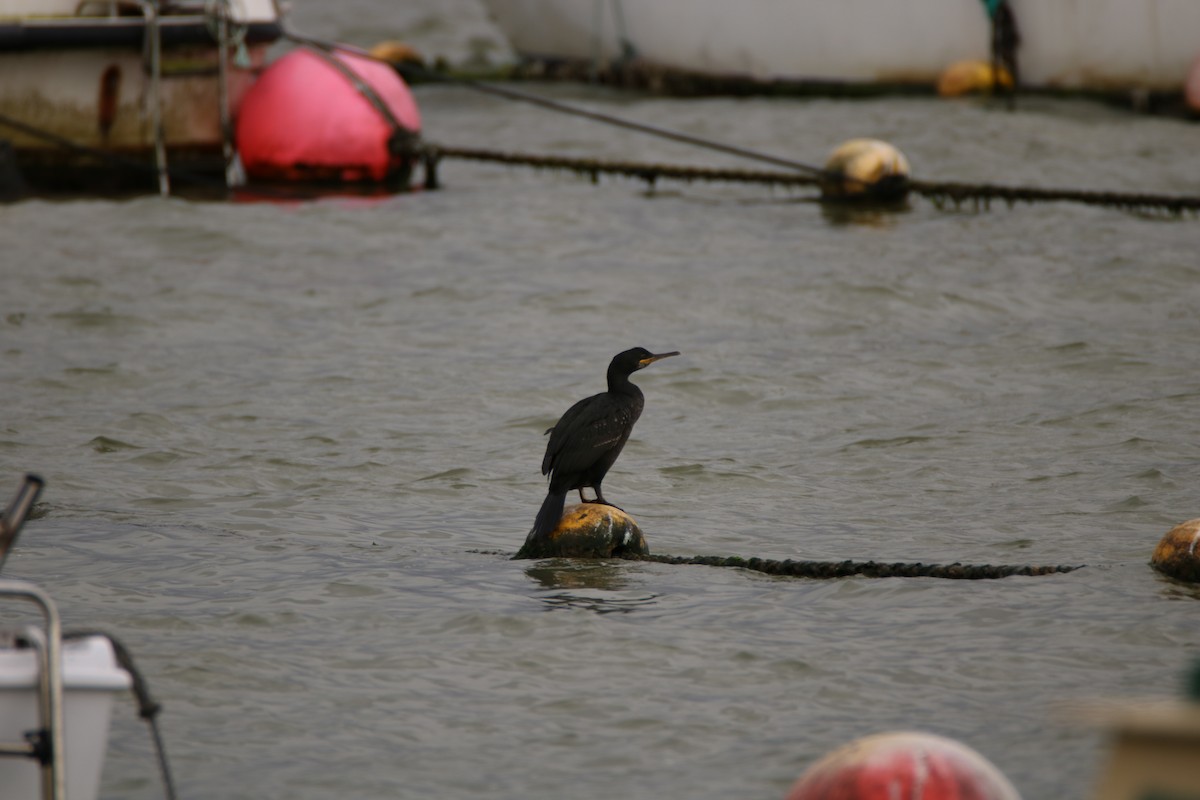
(277, 437)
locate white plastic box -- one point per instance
(91, 678)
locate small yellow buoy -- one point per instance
(1178, 554)
(963, 77)
(588, 530)
(865, 170)
(397, 53)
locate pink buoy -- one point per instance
(315, 116)
(1191, 86)
(915, 766)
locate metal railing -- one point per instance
(46, 742)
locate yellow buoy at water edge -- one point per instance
(1178, 553)
(588, 530)
(865, 170)
(964, 77)
(397, 53)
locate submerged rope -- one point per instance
(842, 569)
(940, 191)
(866, 569)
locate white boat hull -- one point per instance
(1100, 45)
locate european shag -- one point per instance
(586, 441)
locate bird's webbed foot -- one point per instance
(601, 501)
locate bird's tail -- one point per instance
(547, 520)
(548, 515)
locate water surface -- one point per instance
(285, 443)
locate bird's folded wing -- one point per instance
(587, 431)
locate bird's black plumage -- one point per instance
(587, 439)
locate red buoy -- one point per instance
(317, 116)
(915, 766)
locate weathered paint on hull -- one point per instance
(102, 98)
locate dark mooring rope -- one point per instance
(867, 569)
(958, 193)
(799, 173)
(939, 192)
(416, 72)
(843, 569)
(650, 173)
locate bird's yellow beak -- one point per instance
(648, 360)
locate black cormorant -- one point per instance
(586, 441)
